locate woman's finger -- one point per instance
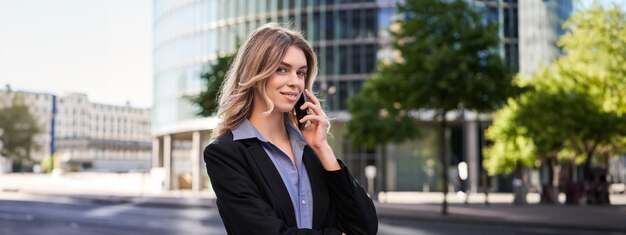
(316, 103)
(311, 97)
(315, 120)
(308, 105)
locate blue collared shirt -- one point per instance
(294, 176)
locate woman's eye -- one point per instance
(281, 70)
(301, 74)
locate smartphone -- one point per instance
(301, 113)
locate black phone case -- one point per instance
(301, 113)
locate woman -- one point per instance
(270, 177)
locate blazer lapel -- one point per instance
(273, 180)
(315, 170)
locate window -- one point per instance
(370, 58)
(304, 26)
(370, 26)
(344, 60)
(330, 60)
(330, 26)
(317, 27)
(343, 25)
(355, 28)
(357, 58)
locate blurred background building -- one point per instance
(349, 36)
(539, 29)
(88, 136)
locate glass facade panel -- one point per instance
(343, 28)
(317, 27)
(342, 64)
(369, 25)
(329, 28)
(370, 58)
(510, 22)
(357, 58)
(330, 61)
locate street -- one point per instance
(81, 217)
(28, 217)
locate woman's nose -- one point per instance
(293, 79)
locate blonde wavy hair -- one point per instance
(257, 59)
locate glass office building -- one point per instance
(349, 36)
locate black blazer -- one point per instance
(252, 198)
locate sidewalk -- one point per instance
(414, 206)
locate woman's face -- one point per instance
(286, 85)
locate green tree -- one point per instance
(575, 107)
(511, 151)
(19, 128)
(538, 113)
(213, 77)
(595, 65)
(376, 123)
(550, 123)
(445, 59)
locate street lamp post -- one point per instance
(52, 127)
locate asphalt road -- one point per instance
(42, 218)
(27, 217)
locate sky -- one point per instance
(101, 48)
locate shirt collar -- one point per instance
(246, 130)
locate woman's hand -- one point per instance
(315, 132)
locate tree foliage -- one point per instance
(18, 127)
(376, 122)
(444, 58)
(586, 84)
(594, 66)
(511, 147)
(595, 56)
(447, 58)
(213, 77)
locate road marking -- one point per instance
(19, 217)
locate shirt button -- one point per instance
(303, 202)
